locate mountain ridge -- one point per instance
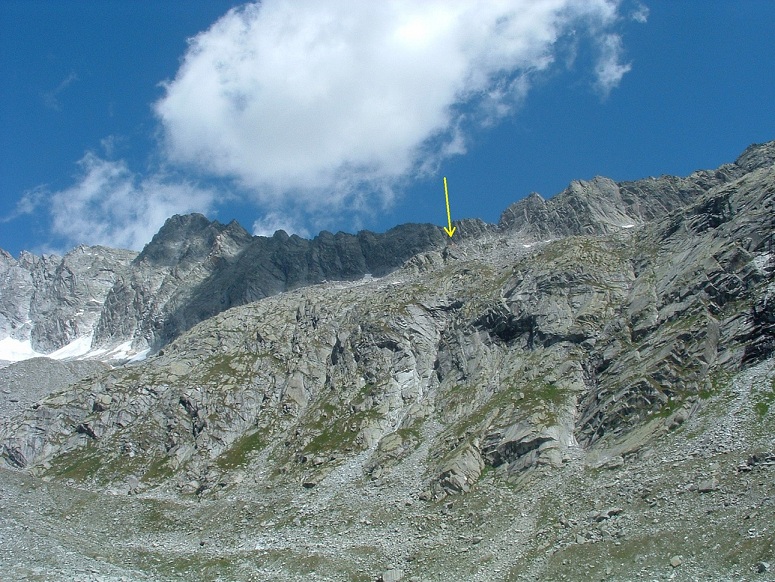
(599, 406)
(194, 268)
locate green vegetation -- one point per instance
(590, 251)
(548, 392)
(159, 470)
(155, 519)
(668, 408)
(529, 398)
(90, 463)
(224, 367)
(409, 434)
(238, 454)
(203, 567)
(79, 464)
(719, 381)
(365, 392)
(339, 434)
(766, 399)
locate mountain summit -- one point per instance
(585, 389)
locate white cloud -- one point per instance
(274, 221)
(610, 70)
(641, 13)
(111, 144)
(30, 201)
(109, 205)
(330, 104)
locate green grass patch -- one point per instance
(238, 454)
(99, 465)
(668, 408)
(80, 464)
(324, 415)
(227, 367)
(155, 519)
(340, 434)
(409, 434)
(367, 391)
(719, 381)
(765, 400)
(159, 470)
(527, 398)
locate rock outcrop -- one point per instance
(601, 206)
(50, 301)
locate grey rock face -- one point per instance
(602, 206)
(164, 279)
(16, 293)
(53, 300)
(521, 354)
(191, 270)
(24, 384)
(547, 397)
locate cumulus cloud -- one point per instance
(109, 205)
(331, 104)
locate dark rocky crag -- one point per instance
(191, 270)
(194, 269)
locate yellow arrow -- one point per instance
(450, 230)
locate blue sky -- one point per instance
(342, 115)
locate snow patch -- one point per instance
(121, 352)
(75, 349)
(13, 350)
(140, 356)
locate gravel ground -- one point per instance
(696, 504)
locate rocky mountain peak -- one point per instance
(194, 268)
(191, 238)
(29, 260)
(600, 205)
(755, 156)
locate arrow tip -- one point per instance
(450, 231)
